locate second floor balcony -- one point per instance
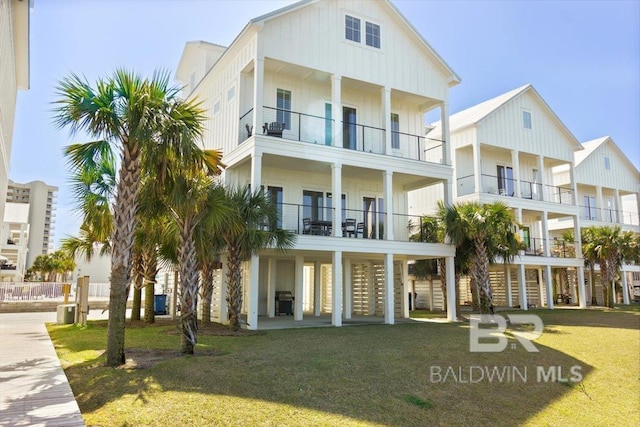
(491, 184)
(308, 128)
(358, 224)
(609, 216)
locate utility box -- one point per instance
(66, 314)
(160, 304)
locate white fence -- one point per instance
(47, 291)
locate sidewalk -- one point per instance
(34, 390)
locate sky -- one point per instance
(583, 58)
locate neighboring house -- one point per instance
(14, 75)
(14, 245)
(608, 186)
(41, 201)
(506, 149)
(322, 104)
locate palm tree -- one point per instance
(611, 247)
(246, 231)
(433, 231)
(190, 197)
(492, 231)
(136, 116)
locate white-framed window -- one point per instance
(607, 163)
(283, 107)
(372, 35)
(352, 28)
(231, 93)
(395, 130)
(216, 108)
(526, 119)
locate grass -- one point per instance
(362, 376)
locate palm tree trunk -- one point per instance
(188, 287)
(234, 287)
(207, 291)
(592, 282)
(137, 298)
(137, 288)
(124, 220)
(481, 276)
(150, 265)
(440, 262)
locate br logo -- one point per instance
(491, 338)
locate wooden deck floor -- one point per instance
(34, 390)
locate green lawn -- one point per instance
(364, 375)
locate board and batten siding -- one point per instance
(314, 37)
(591, 171)
(504, 128)
(221, 127)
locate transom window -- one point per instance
(526, 119)
(373, 35)
(352, 29)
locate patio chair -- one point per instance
(273, 129)
(349, 229)
(306, 225)
(360, 229)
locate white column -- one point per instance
(348, 294)
(405, 289)
(600, 205)
(450, 191)
(258, 95)
(507, 281)
(336, 191)
(256, 171)
(543, 301)
(336, 292)
(625, 287)
(544, 196)
(451, 289)
(447, 146)
(271, 287)
(387, 194)
(336, 109)
(252, 295)
(299, 288)
(477, 174)
(574, 184)
(582, 294)
(515, 164)
(386, 118)
(388, 289)
(224, 309)
(317, 288)
(618, 206)
(522, 288)
(549, 285)
(545, 233)
(430, 293)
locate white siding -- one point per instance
(504, 128)
(592, 171)
(297, 38)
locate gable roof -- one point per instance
(591, 146)
(477, 113)
(454, 79)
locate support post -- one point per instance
(252, 295)
(299, 288)
(388, 290)
(336, 292)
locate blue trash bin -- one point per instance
(160, 304)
